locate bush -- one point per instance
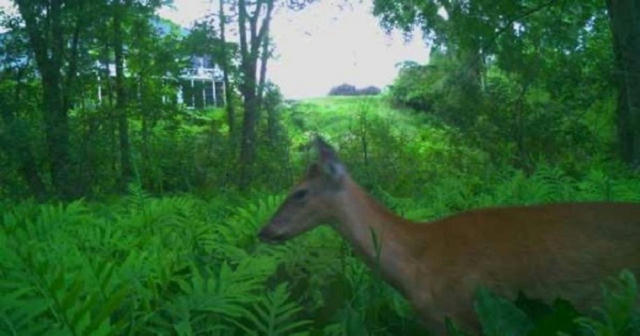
(413, 87)
(350, 90)
(343, 90)
(522, 121)
(369, 91)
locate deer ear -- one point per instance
(325, 151)
(328, 161)
(314, 170)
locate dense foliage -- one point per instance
(351, 90)
(502, 70)
(132, 214)
(183, 264)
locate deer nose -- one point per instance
(263, 235)
(268, 235)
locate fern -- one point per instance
(137, 197)
(273, 315)
(241, 228)
(552, 184)
(20, 309)
(619, 315)
(210, 298)
(75, 308)
(182, 265)
(499, 317)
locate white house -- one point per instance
(200, 83)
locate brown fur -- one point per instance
(546, 251)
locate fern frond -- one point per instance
(618, 314)
(274, 314)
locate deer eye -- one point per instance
(299, 195)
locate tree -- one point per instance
(541, 61)
(625, 28)
(17, 93)
(155, 59)
(343, 90)
(524, 38)
(271, 102)
(54, 29)
(252, 21)
(265, 53)
(124, 13)
(225, 63)
(369, 91)
(118, 12)
(205, 40)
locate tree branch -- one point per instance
(504, 28)
(517, 18)
(73, 60)
(264, 28)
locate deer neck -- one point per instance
(377, 234)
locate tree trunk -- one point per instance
(144, 132)
(121, 96)
(624, 18)
(270, 106)
(248, 92)
(228, 93)
(58, 125)
(249, 52)
(47, 42)
(57, 132)
(248, 144)
(108, 103)
(264, 58)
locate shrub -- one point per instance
(350, 90)
(343, 90)
(369, 91)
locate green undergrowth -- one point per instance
(182, 264)
(185, 265)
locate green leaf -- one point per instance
(500, 317)
(619, 314)
(452, 328)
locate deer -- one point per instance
(546, 251)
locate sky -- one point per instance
(328, 43)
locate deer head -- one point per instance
(312, 201)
